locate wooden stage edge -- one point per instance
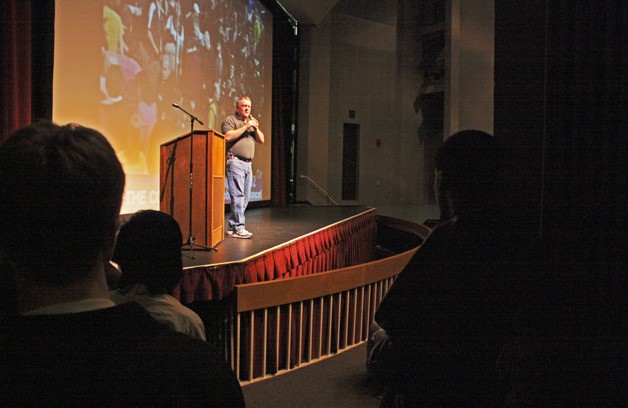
(272, 228)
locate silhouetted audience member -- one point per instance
(440, 328)
(148, 252)
(70, 345)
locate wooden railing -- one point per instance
(273, 327)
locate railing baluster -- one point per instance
(320, 326)
(237, 351)
(289, 341)
(252, 346)
(347, 317)
(310, 331)
(300, 336)
(277, 338)
(265, 343)
(339, 317)
(330, 324)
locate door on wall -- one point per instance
(350, 155)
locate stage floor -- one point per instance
(271, 228)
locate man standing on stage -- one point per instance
(241, 131)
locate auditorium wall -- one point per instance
(366, 59)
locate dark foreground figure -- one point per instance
(67, 343)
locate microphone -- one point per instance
(192, 117)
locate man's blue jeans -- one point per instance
(239, 181)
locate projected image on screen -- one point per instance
(121, 65)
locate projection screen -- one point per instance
(119, 66)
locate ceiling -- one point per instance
(312, 12)
(308, 11)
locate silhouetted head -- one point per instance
(148, 251)
(61, 190)
(468, 172)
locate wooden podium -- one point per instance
(207, 184)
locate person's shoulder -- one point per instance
(168, 307)
(442, 234)
(194, 359)
(180, 307)
(229, 123)
(127, 341)
(451, 238)
(230, 119)
(470, 225)
(200, 367)
(119, 297)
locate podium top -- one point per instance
(196, 132)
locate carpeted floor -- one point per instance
(339, 381)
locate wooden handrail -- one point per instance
(262, 295)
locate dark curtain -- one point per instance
(285, 64)
(27, 46)
(584, 195)
(42, 45)
(560, 109)
(585, 136)
(15, 72)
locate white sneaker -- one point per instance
(229, 232)
(242, 234)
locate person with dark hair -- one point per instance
(241, 131)
(440, 327)
(69, 344)
(148, 252)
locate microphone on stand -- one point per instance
(192, 117)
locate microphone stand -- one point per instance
(190, 242)
(170, 171)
